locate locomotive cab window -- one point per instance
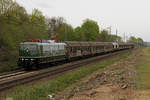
(28, 50)
(31, 47)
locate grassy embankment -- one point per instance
(40, 90)
(143, 77)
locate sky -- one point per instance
(129, 17)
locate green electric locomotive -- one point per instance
(35, 53)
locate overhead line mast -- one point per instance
(116, 35)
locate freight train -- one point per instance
(34, 52)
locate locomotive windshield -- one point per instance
(30, 47)
(28, 50)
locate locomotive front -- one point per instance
(28, 53)
(32, 54)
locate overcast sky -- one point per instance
(128, 16)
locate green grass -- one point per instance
(143, 79)
(148, 49)
(40, 90)
(143, 76)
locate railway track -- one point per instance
(25, 77)
(12, 74)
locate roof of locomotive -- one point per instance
(40, 43)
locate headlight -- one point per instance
(32, 59)
(22, 59)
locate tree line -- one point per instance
(137, 41)
(88, 31)
(16, 25)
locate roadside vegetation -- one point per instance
(143, 80)
(17, 25)
(40, 90)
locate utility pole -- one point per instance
(127, 38)
(116, 35)
(124, 37)
(109, 28)
(66, 34)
